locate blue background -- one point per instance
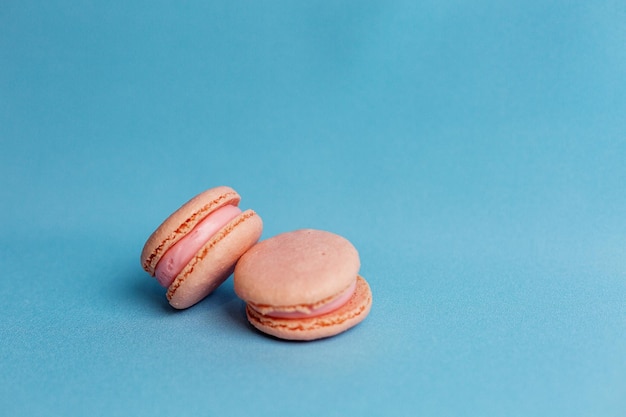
(474, 153)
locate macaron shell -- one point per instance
(330, 324)
(183, 220)
(215, 261)
(296, 268)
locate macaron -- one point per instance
(303, 285)
(196, 248)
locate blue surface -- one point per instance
(473, 153)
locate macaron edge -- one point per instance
(264, 309)
(183, 220)
(192, 272)
(327, 325)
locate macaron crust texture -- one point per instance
(196, 248)
(303, 285)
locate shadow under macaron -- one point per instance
(222, 304)
(292, 341)
(146, 291)
(228, 305)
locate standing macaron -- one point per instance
(303, 285)
(195, 249)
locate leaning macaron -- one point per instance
(196, 248)
(303, 285)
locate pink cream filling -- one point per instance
(342, 299)
(179, 255)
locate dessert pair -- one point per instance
(299, 285)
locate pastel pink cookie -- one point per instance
(179, 255)
(196, 248)
(303, 285)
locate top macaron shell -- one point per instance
(301, 268)
(215, 260)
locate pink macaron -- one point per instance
(196, 248)
(303, 285)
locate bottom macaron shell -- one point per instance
(330, 324)
(215, 261)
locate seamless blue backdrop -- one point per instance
(473, 153)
